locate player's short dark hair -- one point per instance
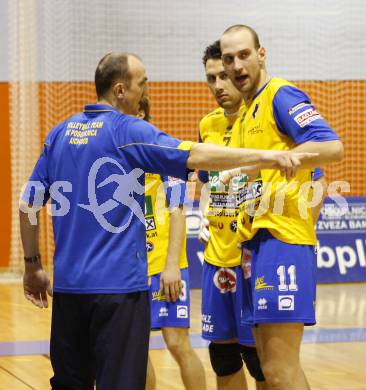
(238, 27)
(111, 68)
(212, 52)
(144, 106)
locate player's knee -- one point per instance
(178, 346)
(278, 376)
(252, 362)
(225, 358)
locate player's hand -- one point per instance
(36, 285)
(170, 282)
(286, 161)
(250, 170)
(204, 233)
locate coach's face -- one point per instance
(137, 87)
(242, 61)
(226, 95)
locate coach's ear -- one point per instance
(119, 91)
(261, 55)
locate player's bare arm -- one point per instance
(213, 157)
(170, 280)
(327, 152)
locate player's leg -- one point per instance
(226, 361)
(260, 385)
(283, 288)
(219, 287)
(280, 362)
(247, 341)
(150, 376)
(191, 368)
(174, 321)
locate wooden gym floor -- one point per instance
(333, 352)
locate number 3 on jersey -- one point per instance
(291, 271)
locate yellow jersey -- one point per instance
(159, 192)
(223, 207)
(277, 118)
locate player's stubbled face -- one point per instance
(137, 88)
(242, 61)
(226, 95)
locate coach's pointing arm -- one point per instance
(154, 151)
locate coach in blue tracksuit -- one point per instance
(92, 167)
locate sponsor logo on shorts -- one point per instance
(262, 304)
(260, 284)
(182, 311)
(157, 296)
(163, 312)
(207, 326)
(149, 246)
(286, 302)
(225, 280)
(298, 107)
(307, 116)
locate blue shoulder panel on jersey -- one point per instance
(297, 118)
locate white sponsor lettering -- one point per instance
(346, 257)
(307, 116)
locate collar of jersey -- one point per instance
(99, 108)
(260, 91)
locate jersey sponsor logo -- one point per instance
(234, 226)
(297, 107)
(255, 130)
(251, 192)
(307, 116)
(225, 280)
(149, 246)
(286, 302)
(163, 312)
(150, 223)
(260, 284)
(182, 311)
(262, 304)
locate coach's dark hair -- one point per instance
(111, 68)
(212, 52)
(237, 27)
